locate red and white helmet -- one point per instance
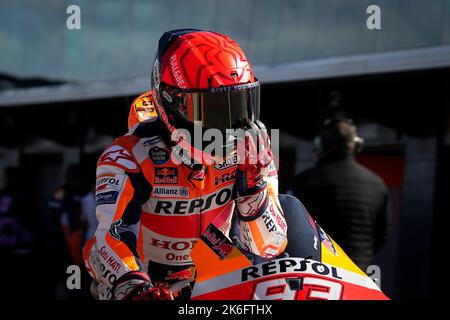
(202, 78)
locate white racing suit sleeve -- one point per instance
(265, 234)
(120, 192)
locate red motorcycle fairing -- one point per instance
(230, 275)
(288, 279)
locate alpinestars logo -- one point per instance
(118, 155)
(113, 229)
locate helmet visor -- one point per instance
(220, 108)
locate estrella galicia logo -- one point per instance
(106, 197)
(158, 155)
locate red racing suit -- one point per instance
(152, 211)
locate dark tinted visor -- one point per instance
(221, 108)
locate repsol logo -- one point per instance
(108, 180)
(288, 265)
(194, 205)
(268, 221)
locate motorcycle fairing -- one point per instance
(272, 281)
(319, 271)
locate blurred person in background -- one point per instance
(88, 219)
(348, 200)
(69, 221)
(17, 233)
(16, 222)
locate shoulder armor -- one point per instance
(142, 109)
(119, 154)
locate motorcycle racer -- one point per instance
(156, 193)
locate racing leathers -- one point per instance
(152, 210)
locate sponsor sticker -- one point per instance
(163, 249)
(272, 170)
(182, 275)
(289, 265)
(109, 182)
(226, 177)
(109, 197)
(326, 241)
(227, 163)
(152, 140)
(166, 175)
(217, 241)
(119, 156)
(192, 206)
(109, 259)
(176, 72)
(172, 245)
(170, 192)
(158, 155)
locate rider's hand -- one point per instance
(136, 285)
(257, 156)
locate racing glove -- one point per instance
(136, 285)
(257, 155)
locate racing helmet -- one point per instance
(203, 79)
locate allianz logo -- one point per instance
(170, 191)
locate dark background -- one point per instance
(314, 59)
